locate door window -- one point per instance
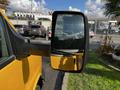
(3, 44)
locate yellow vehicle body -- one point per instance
(67, 63)
(20, 74)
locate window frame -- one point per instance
(11, 56)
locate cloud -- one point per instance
(27, 5)
(94, 9)
(90, 5)
(73, 9)
(43, 2)
(98, 2)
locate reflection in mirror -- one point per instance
(69, 34)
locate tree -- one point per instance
(112, 8)
(3, 3)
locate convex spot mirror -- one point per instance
(69, 41)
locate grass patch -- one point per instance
(96, 76)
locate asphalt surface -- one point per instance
(94, 42)
(53, 79)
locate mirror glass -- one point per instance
(68, 34)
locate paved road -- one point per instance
(53, 78)
(95, 41)
(40, 40)
(115, 38)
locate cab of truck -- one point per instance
(20, 61)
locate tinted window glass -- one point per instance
(35, 26)
(3, 45)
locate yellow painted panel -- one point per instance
(21, 74)
(67, 63)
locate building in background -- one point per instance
(24, 18)
(100, 25)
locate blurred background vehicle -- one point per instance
(37, 30)
(116, 53)
(22, 29)
(26, 30)
(19, 28)
(48, 33)
(91, 34)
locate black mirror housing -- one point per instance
(20, 45)
(69, 42)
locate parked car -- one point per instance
(116, 53)
(115, 29)
(26, 30)
(37, 30)
(22, 29)
(19, 29)
(91, 34)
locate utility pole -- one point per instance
(31, 6)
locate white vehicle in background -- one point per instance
(116, 53)
(19, 28)
(48, 33)
(91, 34)
(114, 30)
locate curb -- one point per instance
(110, 66)
(65, 81)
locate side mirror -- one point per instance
(69, 42)
(20, 45)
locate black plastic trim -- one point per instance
(5, 62)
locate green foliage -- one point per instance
(96, 76)
(5, 2)
(104, 49)
(106, 45)
(112, 8)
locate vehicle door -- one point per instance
(16, 74)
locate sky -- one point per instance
(92, 8)
(65, 4)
